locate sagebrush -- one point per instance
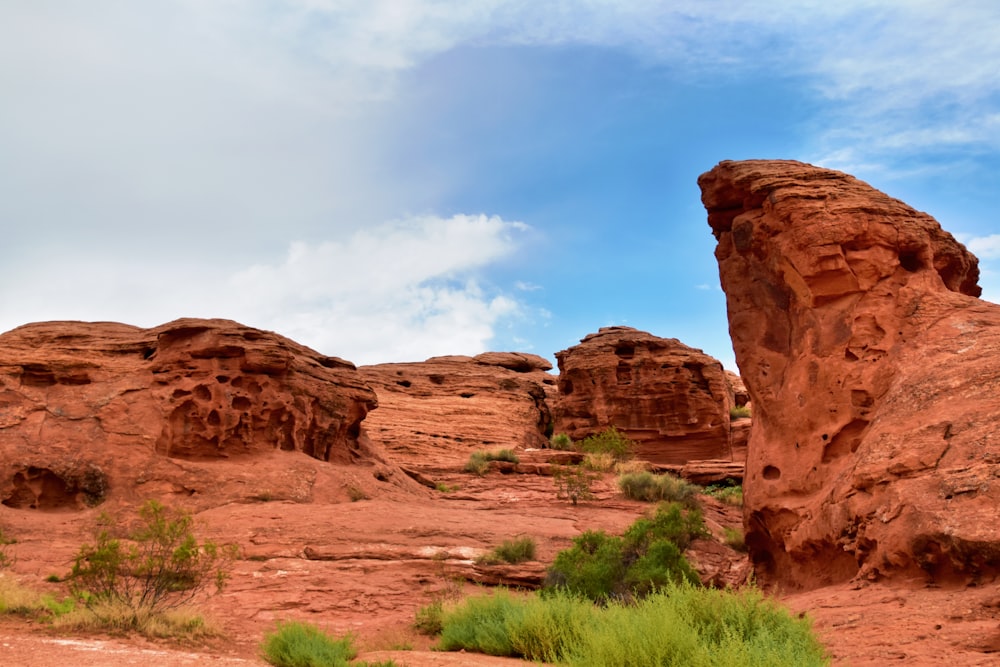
(156, 565)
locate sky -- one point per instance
(390, 180)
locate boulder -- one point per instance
(86, 407)
(671, 399)
(872, 370)
(433, 414)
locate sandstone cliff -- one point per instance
(434, 413)
(873, 371)
(673, 400)
(90, 408)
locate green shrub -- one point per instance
(507, 455)
(688, 625)
(653, 488)
(610, 440)
(512, 551)
(481, 624)
(296, 644)
(649, 555)
(528, 627)
(679, 625)
(729, 494)
(573, 482)
(739, 412)
(479, 461)
(428, 620)
(156, 566)
(561, 441)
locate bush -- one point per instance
(678, 625)
(512, 551)
(611, 441)
(158, 565)
(739, 412)
(648, 556)
(428, 620)
(599, 461)
(729, 494)
(573, 482)
(561, 441)
(295, 644)
(479, 461)
(653, 488)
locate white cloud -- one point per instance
(405, 290)
(984, 247)
(400, 291)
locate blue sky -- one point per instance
(389, 180)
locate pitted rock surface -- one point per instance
(872, 369)
(673, 400)
(89, 407)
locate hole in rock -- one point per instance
(626, 351)
(466, 394)
(910, 261)
(202, 392)
(222, 379)
(404, 383)
(771, 472)
(436, 379)
(241, 403)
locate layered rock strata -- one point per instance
(673, 400)
(434, 413)
(873, 372)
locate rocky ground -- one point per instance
(365, 567)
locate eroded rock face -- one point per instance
(82, 404)
(872, 369)
(673, 400)
(434, 413)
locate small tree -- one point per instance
(573, 482)
(158, 565)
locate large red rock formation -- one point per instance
(873, 371)
(434, 413)
(673, 400)
(82, 404)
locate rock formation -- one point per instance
(872, 369)
(434, 413)
(671, 399)
(86, 406)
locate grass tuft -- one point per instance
(655, 488)
(297, 644)
(681, 624)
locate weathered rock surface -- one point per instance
(873, 371)
(90, 408)
(671, 399)
(434, 413)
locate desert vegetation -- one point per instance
(680, 624)
(513, 551)
(296, 644)
(479, 461)
(646, 486)
(602, 567)
(739, 412)
(142, 578)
